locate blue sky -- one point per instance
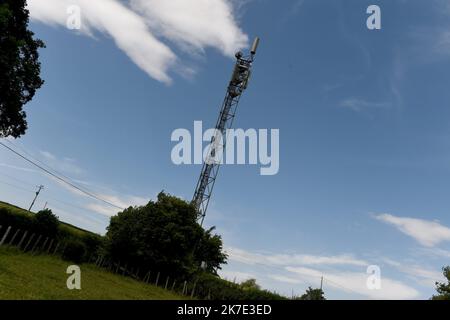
(363, 120)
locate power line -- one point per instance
(341, 286)
(59, 178)
(39, 161)
(46, 196)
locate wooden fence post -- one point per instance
(167, 283)
(36, 243)
(50, 246)
(11, 242)
(45, 242)
(193, 289)
(5, 235)
(23, 239)
(173, 285)
(56, 247)
(29, 242)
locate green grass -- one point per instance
(41, 277)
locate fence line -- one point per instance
(31, 242)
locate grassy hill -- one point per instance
(23, 276)
(25, 213)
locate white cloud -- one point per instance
(356, 282)
(422, 275)
(427, 233)
(194, 24)
(48, 155)
(359, 105)
(246, 257)
(136, 30)
(285, 279)
(9, 166)
(436, 252)
(65, 165)
(122, 202)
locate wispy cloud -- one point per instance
(423, 275)
(9, 166)
(194, 24)
(140, 28)
(356, 282)
(65, 165)
(427, 233)
(123, 201)
(359, 105)
(251, 258)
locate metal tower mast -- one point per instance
(238, 84)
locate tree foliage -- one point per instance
(443, 289)
(313, 294)
(163, 235)
(19, 67)
(250, 284)
(46, 222)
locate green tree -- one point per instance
(443, 289)
(209, 251)
(250, 284)
(19, 67)
(164, 236)
(313, 294)
(46, 222)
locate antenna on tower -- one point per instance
(238, 84)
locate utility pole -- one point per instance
(321, 283)
(45, 206)
(37, 194)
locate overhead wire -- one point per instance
(64, 180)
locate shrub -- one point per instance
(45, 222)
(213, 287)
(93, 243)
(75, 251)
(163, 235)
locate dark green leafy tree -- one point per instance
(19, 67)
(313, 294)
(443, 289)
(46, 222)
(165, 236)
(209, 251)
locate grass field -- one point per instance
(23, 276)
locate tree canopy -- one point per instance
(313, 294)
(443, 289)
(164, 235)
(19, 67)
(46, 222)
